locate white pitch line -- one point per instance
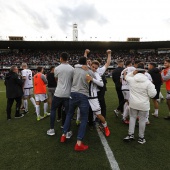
(113, 163)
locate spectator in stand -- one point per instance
(13, 92)
(118, 85)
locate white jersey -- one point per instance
(148, 76)
(125, 85)
(97, 81)
(101, 70)
(27, 73)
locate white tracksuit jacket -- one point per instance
(141, 90)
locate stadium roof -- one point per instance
(81, 45)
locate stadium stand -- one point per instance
(47, 54)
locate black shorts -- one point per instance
(158, 91)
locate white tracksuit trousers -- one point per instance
(142, 121)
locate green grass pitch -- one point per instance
(25, 145)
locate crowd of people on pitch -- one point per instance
(82, 88)
(135, 86)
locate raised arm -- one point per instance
(86, 52)
(108, 58)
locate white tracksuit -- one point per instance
(141, 90)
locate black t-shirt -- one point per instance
(156, 76)
(116, 76)
(51, 80)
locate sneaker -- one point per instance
(167, 118)
(116, 112)
(125, 121)
(39, 118)
(155, 115)
(82, 147)
(63, 139)
(129, 138)
(141, 140)
(19, 116)
(78, 122)
(51, 132)
(107, 131)
(46, 114)
(148, 123)
(69, 134)
(25, 112)
(58, 120)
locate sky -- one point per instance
(98, 20)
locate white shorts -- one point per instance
(95, 106)
(126, 95)
(40, 97)
(28, 92)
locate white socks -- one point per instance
(38, 110)
(104, 124)
(156, 112)
(161, 96)
(26, 104)
(33, 101)
(45, 107)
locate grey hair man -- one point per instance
(13, 92)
